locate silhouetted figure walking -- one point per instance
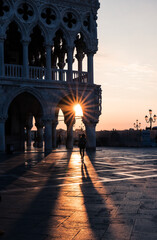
(82, 145)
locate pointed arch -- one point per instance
(42, 28)
(13, 50)
(37, 52)
(12, 95)
(66, 35)
(21, 27)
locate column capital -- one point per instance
(91, 122)
(3, 37)
(47, 118)
(48, 43)
(80, 56)
(26, 41)
(3, 118)
(90, 52)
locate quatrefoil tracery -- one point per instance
(70, 20)
(49, 15)
(4, 8)
(25, 11)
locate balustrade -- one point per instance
(13, 71)
(39, 73)
(59, 74)
(81, 77)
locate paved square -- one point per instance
(113, 195)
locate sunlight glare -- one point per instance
(78, 110)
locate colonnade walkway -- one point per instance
(111, 196)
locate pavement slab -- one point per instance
(111, 196)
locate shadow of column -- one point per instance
(35, 222)
(97, 212)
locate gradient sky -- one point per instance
(126, 62)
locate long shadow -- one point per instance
(126, 223)
(97, 212)
(19, 170)
(35, 222)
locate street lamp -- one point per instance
(151, 119)
(137, 125)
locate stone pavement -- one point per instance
(113, 195)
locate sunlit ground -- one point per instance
(81, 189)
(112, 195)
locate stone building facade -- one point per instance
(40, 42)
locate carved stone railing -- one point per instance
(59, 75)
(13, 71)
(39, 73)
(81, 77)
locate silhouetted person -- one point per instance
(82, 145)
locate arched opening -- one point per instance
(59, 56)
(59, 51)
(37, 53)
(80, 63)
(60, 130)
(69, 114)
(12, 46)
(20, 121)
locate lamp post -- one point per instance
(150, 120)
(137, 125)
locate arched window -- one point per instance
(59, 50)
(13, 46)
(37, 54)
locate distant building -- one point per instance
(127, 138)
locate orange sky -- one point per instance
(126, 62)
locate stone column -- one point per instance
(40, 137)
(54, 125)
(70, 63)
(90, 68)
(22, 136)
(1, 57)
(69, 141)
(91, 135)
(39, 126)
(48, 135)
(29, 140)
(2, 134)
(80, 56)
(25, 59)
(48, 62)
(29, 126)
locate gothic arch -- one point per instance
(66, 104)
(19, 24)
(85, 35)
(42, 28)
(11, 96)
(66, 35)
